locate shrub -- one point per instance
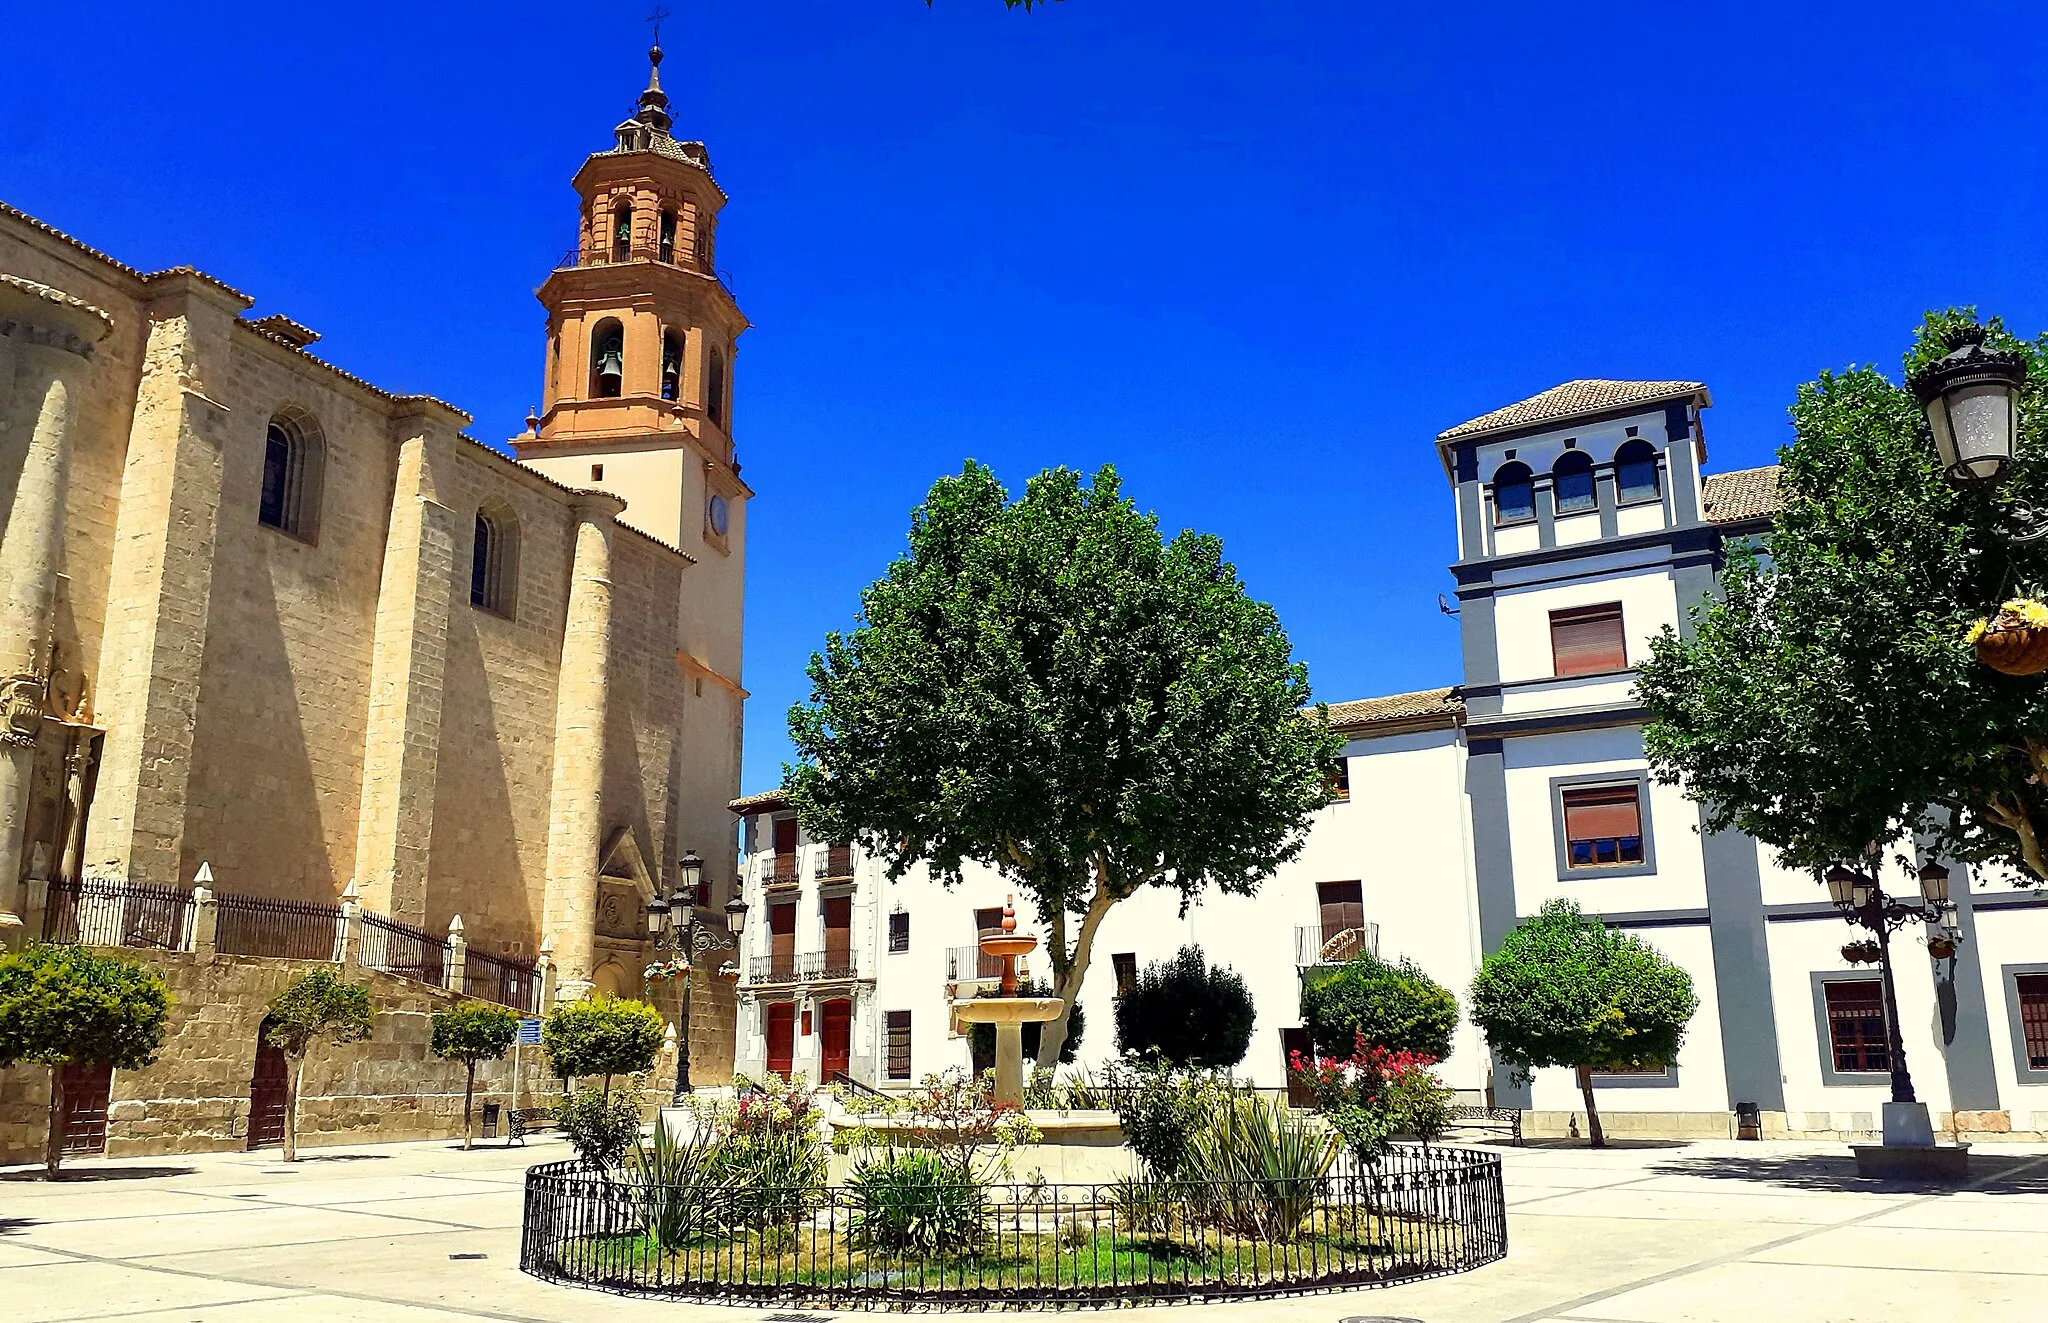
(598, 1125)
(603, 1036)
(471, 1032)
(779, 1178)
(1190, 1012)
(1395, 1006)
(1260, 1167)
(982, 1037)
(915, 1202)
(62, 1005)
(679, 1192)
(316, 1007)
(1159, 1109)
(951, 1115)
(1374, 1095)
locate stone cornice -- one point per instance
(39, 315)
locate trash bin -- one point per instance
(1749, 1121)
(490, 1120)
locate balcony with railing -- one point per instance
(836, 864)
(971, 964)
(613, 255)
(782, 873)
(785, 967)
(1316, 945)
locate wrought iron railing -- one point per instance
(966, 964)
(836, 864)
(782, 872)
(816, 966)
(609, 255)
(1315, 945)
(401, 949)
(116, 912)
(1418, 1212)
(289, 929)
(508, 982)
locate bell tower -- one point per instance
(637, 386)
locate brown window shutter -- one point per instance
(1587, 640)
(1607, 811)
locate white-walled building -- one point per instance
(1585, 526)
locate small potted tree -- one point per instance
(472, 1032)
(317, 1007)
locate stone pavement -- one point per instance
(1667, 1233)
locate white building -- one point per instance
(1585, 525)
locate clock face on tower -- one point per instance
(715, 513)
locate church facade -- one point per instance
(266, 616)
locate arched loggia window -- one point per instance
(294, 460)
(494, 562)
(671, 366)
(668, 236)
(714, 387)
(1514, 493)
(1635, 471)
(1571, 478)
(622, 234)
(607, 359)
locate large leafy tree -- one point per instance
(72, 1005)
(471, 1032)
(1566, 990)
(1829, 698)
(1048, 687)
(315, 1007)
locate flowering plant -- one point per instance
(2020, 612)
(662, 970)
(1375, 1094)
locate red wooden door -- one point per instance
(836, 1039)
(781, 1025)
(267, 1093)
(85, 1107)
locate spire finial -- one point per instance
(654, 101)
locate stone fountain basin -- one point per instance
(1008, 1010)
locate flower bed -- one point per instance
(1416, 1211)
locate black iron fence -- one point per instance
(513, 983)
(401, 949)
(289, 929)
(1420, 1211)
(107, 912)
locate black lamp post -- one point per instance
(1972, 401)
(1862, 901)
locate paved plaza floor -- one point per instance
(1677, 1233)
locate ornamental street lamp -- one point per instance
(1972, 401)
(1862, 901)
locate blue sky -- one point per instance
(1255, 254)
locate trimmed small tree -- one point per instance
(1049, 688)
(472, 1032)
(71, 1005)
(1191, 1013)
(317, 1007)
(1566, 990)
(604, 1036)
(1387, 1004)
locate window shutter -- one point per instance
(1587, 640)
(1598, 814)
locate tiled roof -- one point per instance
(765, 801)
(1423, 707)
(1571, 400)
(1742, 494)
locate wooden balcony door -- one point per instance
(836, 1039)
(782, 941)
(785, 847)
(838, 933)
(986, 920)
(1343, 908)
(779, 1019)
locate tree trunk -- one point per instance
(468, 1092)
(1067, 982)
(53, 1142)
(293, 1080)
(1593, 1130)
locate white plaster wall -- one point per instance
(1643, 517)
(1574, 530)
(649, 481)
(2011, 937)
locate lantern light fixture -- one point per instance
(1971, 397)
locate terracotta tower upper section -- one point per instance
(641, 329)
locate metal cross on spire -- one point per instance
(654, 17)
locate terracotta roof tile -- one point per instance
(1423, 707)
(1571, 400)
(765, 801)
(1743, 494)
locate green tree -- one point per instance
(1050, 688)
(982, 1037)
(1566, 990)
(471, 1032)
(602, 1036)
(1192, 1014)
(1829, 697)
(316, 1007)
(1393, 1005)
(71, 1005)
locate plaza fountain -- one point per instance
(1008, 1012)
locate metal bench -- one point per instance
(525, 1119)
(1503, 1120)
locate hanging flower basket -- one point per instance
(728, 972)
(2015, 641)
(1941, 948)
(1860, 953)
(662, 971)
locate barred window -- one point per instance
(899, 1045)
(1856, 1026)
(899, 933)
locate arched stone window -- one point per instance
(1571, 479)
(668, 236)
(607, 359)
(622, 234)
(714, 387)
(294, 458)
(672, 365)
(1514, 493)
(494, 561)
(1635, 471)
